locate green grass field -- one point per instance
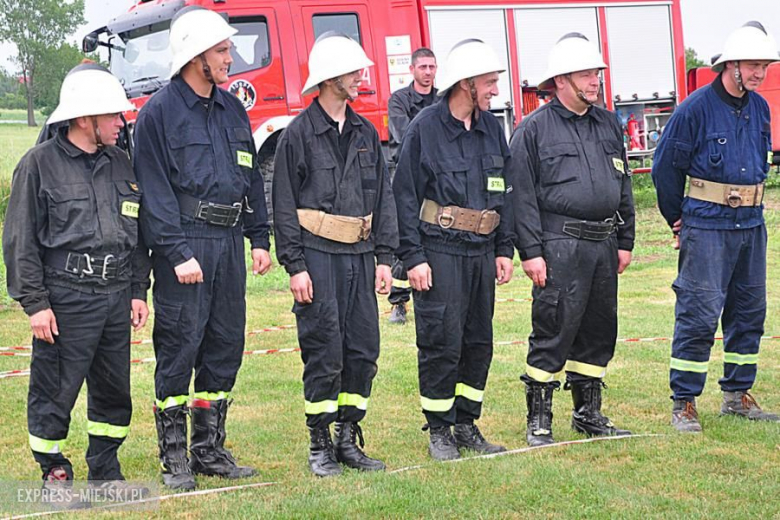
(732, 470)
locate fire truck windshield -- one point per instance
(141, 56)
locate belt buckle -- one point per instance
(734, 200)
(446, 214)
(89, 269)
(106, 260)
(365, 229)
(238, 206)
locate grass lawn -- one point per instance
(732, 470)
(7, 114)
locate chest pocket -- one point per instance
(450, 182)
(318, 189)
(493, 182)
(716, 146)
(367, 162)
(71, 210)
(190, 149)
(559, 164)
(128, 207)
(613, 151)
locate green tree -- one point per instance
(37, 27)
(53, 67)
(692, 60)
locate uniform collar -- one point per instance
(453, 127)
(191, 98)
(416, 96)
(322, 121)
(737, 103)
(71, 149)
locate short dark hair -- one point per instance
(422, 52)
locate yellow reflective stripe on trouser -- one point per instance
(436, 405)
(469, 392)
(356, 400)
(107, 430)
(321, 407)
(689, 366)
(169, 402)
(578, 367)
(45, 445)
(740, 359)
(401, 284)
(540, 375)
(212, 396)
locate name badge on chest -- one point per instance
(130, 209)
(495, 184)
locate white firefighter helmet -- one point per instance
(195, 30)
(468, 59)
(90, 92)
(572, 53)
(333, 55)
(749, 42)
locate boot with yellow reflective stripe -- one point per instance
(208, 455)
(347, 434)
(743, 404)
(467, 436)
(586, 417)
(538, 398)
(172, 440)
(322, 454)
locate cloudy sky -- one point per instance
(706, 23)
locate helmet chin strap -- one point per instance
(474, 100)
(341, 88)
(580, 93)
(206, 69)
(96, 130)
(738, 77)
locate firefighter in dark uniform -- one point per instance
(718, 142)
(195, 150)
(575, 232)
(76, 265)
(455, 242)
(404, 106)
(334, 216)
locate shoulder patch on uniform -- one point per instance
(133, 185)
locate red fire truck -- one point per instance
(641, 40)
(769, 89)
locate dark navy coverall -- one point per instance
(442, 161)
(722, 264)
(191, 148)
(69, 211)
(316, 167)
(570, 168)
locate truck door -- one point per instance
(353, 20)
(256, 76)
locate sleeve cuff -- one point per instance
(36, 307)
(138, 293)
(626, 244)
(180, 255)
(295, 267)
(530, 252)
(412, 261)
(384, 259)
(505, 251)
(261, 243)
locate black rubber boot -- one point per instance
(467, 436)
(538, 399)
(442, 445)
(172, 441)
(322, 454)
(102, 458)
(586, 417)
(347, 450)
(208, 455)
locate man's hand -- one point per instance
(261, 261)
(139, 313)
(301, 287)
(189, 272)
(383, 279)
(624, 259)
(504, 269)
(44, 325)
(420, 277)
(536, 270)
(676, 228)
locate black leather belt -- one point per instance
(81, 264)
(223, 215)
(596, 231)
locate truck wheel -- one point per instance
(267, 169)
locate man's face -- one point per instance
(753, 73)
(219, 60)
(424, 71)
(587, 82)
(109, 125)
(486, 86)
(351, 83)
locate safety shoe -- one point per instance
(120, 490)
(685, 418)
(398, 314)
(442, 445)
(743, 404)
(322, 454)
(347, 450)
(538, 398)
(172, 441)
(586, 417)
(208, 455)
(57, 490)
(467, 436)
